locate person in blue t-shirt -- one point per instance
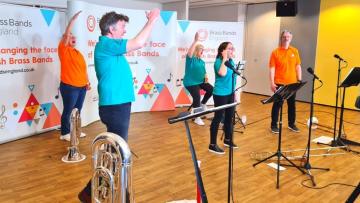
(195, 76)
(223, 94)
(115, 82)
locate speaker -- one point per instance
(286, 8)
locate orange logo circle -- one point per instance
(203, 34)
(91, 23)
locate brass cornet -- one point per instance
(112, 178)
(73, 154)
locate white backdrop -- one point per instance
(29, 66)
(150, 65)
(212, 34)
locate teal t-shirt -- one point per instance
(194, 71)
(223, 85)
(115, 83)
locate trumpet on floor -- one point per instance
(112, 177)
(297, 154)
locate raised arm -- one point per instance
(143, 35)
(192, 47)
(223, 69)
(67, 35)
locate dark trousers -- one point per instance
(291, 111)
(195, 93)
(117, 120)
(229, 112)
(73, 97)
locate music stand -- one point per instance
(185, 116)
(352, 79)
(283, 93)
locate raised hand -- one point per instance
(153, 14)
(196, 37)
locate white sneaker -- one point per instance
(203, 106)
(65, 137)
(82, 134)
(199, 121)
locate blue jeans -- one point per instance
(73, 97)
(116, 118)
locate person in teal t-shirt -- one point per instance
(223, 94)
(115, 84)
(195, 76)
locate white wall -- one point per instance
(262, 36)
(181, 7)
(131, 4)
(229, 13)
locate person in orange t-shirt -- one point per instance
(74, 79)
(285, 68)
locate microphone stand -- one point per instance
(307, 165)
(231, 149)
(334, 142)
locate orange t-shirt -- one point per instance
(73, 66)
(285, 62)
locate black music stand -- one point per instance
(283, 93)
(352, 79)
(185, 116)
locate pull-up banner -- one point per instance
(29, 69)
(150, 65)
(211, 35)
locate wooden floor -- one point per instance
(32, 171)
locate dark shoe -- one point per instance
(216, 149)
(227, 144)
(294, 128)
(84, 197)
(275, 129)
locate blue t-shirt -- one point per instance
(115, 82)
(194, 71)
(223, 85)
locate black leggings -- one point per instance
(229, 112)
(195, 93)
(291, 111)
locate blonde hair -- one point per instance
(198, 47)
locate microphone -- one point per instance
(229, 65)
(338, 57)
(311, 71)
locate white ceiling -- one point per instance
(200, 3)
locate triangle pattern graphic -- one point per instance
(164, 101)
(166, 16)
(31, 87)
(46, 107)
(29, 122)
(159, 87)
(146, 86)
(32, 101)
(53, 118)
(48, 15)
(32, 110)
(25, 116)
(184, 24)
(37, 120)
(182, 98)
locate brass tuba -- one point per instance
(112, 177)
(73, 154)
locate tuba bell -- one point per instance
(112, 176)
(73, 154)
